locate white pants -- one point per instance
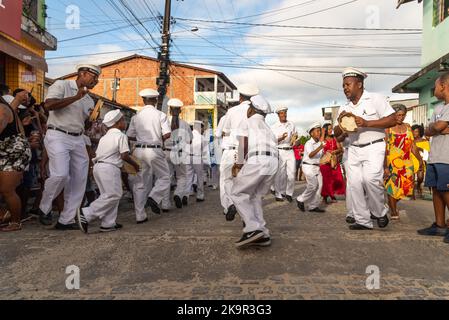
(251, 184)
(312, 195)
(348, 193)
(180, 169)
(227, 162)
(199, 172)
(109, 180)
(284, 182)
(69, 165)
(153, 161)
(214, 175)
(365, 182)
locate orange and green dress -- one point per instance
(400, 183)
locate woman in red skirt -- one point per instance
(333, 182)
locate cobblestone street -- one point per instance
(190, 254)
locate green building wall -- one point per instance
(435, 38)
(426, 97)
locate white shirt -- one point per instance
(182, 135)
(72, 117)
(260, 136)
(111, 146)
(309, 147)
(224, 141)
(235, 124)
(371, 106)
(149, 125)
(200, 146)
(439, 144)
(131, 132)
(280, 128)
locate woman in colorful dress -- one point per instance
(333, 182)
(423, 147)
(15, 155)
(398, 165)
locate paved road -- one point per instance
(190, 254)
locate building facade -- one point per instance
(330, 114)
(205, 93)
(23, 42)
(416, 113)
(435, 54)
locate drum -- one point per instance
(235, 171)
(293, 139)
(326, 158)
(347, 123)
(129, 169)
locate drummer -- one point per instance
(112, 150)
(366, 150)
(313, 150)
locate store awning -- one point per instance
(423, 77)
(22, 54)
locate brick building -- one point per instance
(23, 42)
(205, 92)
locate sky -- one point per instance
(296, 60)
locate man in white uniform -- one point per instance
(199, 149)
(284, 182)
(176, 152)
(256, 175)
(223, 141)
(69, 105)
(151, 128)
(112, 149)
(313, 151)
(366, 150)
(232, 128)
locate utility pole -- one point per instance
(115, 85)
(164, 56)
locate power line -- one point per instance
(267, 67)
(312, 13)
(252, 61)
(138, 20)
(95, 54)
(119, 11)
(272, 11)
(297, 27)
(107, 15)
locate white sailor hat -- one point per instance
(313, 126)
(353, 72)
(175, 103)
(89, 67)
(149, 93)
(260, 103)
(112, 117)
(327, 122)
(248, 90)
(279, 109)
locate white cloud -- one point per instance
(62, 67)
(304, 100)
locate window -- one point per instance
(440, 11)
(205, 85)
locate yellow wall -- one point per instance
(15, 68)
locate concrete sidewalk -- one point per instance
(190, 254)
